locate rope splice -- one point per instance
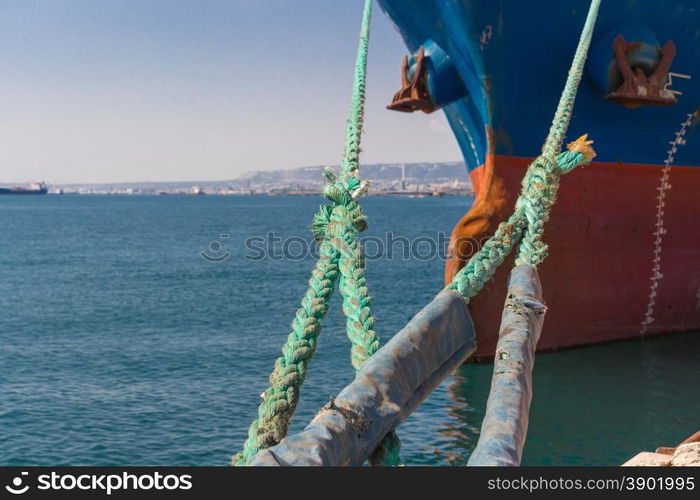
(335, 228)
(539, 186)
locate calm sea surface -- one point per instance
(121, 344)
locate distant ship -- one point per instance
(35, 188)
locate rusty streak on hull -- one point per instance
(601, 234)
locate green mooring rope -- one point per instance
(335, 227)
(539, 186)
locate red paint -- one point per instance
(596, 279)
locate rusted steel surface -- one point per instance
(637, 88)
(598, 218)
(414, 94)
(504, 428)
(388, 388)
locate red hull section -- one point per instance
(601, 280)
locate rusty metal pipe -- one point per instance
(388, 388)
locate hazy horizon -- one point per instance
(149, 91)
(246, 174)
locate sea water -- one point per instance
(140, 330)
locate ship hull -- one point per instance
(624, 260)
(600, 280)
(20, 192)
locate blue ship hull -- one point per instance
(8, 191)
(623, 261)
(513, 57)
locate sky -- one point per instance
(167, 90)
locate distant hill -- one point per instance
(308, 178)
(423, 173)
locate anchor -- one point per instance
(637, 88)
(414, 94)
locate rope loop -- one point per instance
(335, 227)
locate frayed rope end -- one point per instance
(583, 145)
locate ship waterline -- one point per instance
(622, 263)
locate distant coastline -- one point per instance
(387, 179)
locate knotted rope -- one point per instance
(335, 228)
(539, 186)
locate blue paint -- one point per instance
(388, 388)
(513, 59)
(505, 424)
(444, 83)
